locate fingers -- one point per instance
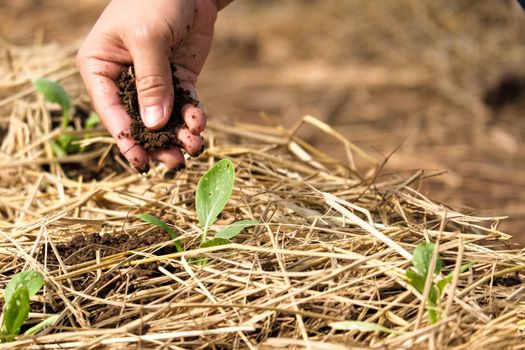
(153, 79)
(194, 116)
(104, 94)
(192, 144)
(172, 158)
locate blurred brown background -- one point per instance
(442, 80)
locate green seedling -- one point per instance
(150, 219)
(92, 121)
(55, 93)
(17, 293)
(213, 192)
(417, 277)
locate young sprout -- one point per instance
(92, 121)
(17, 293)
(55, 93)
(213, 193)
(417, 277)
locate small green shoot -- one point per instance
(55, 93)
(17, 294)
(92, 121)
(213, 192)
(418, 274)
(32, 280)
(150, 219)
(39, 326)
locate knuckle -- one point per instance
(147, 34)
(143, 35)
(152, 85)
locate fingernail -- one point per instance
(200, 151)
(152, 115)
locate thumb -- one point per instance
(154, 83)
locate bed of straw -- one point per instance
(333, 243)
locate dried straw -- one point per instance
(333, 242)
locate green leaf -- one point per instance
(65, 143)
(92, 121)
(150, 219)
(434, 295)
(235, 228)
(363, 327)
(448, 278)
(423, 256)
(54, 92)
(433, 315)
(16, 312)
(213, 192)
(57, 149)
(416, 280)
(214, 242)
(44, 323)
(31, 280)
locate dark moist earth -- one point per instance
(159, 139)
(83, 248)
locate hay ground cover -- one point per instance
(333, 244)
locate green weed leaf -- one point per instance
(92, 121)
(362, 326)
(235, 228)
(54, 92)
(31, 280)
(214, 242)
(423, 256)
(150, 219)
(16, 312)
(448, 278)
(213, 192)
(57, 149)
(433, 315)
(44, 323)
(416, 280)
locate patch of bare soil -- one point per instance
(83, 248)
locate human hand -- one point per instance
(149, 35)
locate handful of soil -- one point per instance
(159, 139)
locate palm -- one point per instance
(183, 35)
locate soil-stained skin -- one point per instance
(165, 137)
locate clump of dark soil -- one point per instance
(84, 248)
(159, 139)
